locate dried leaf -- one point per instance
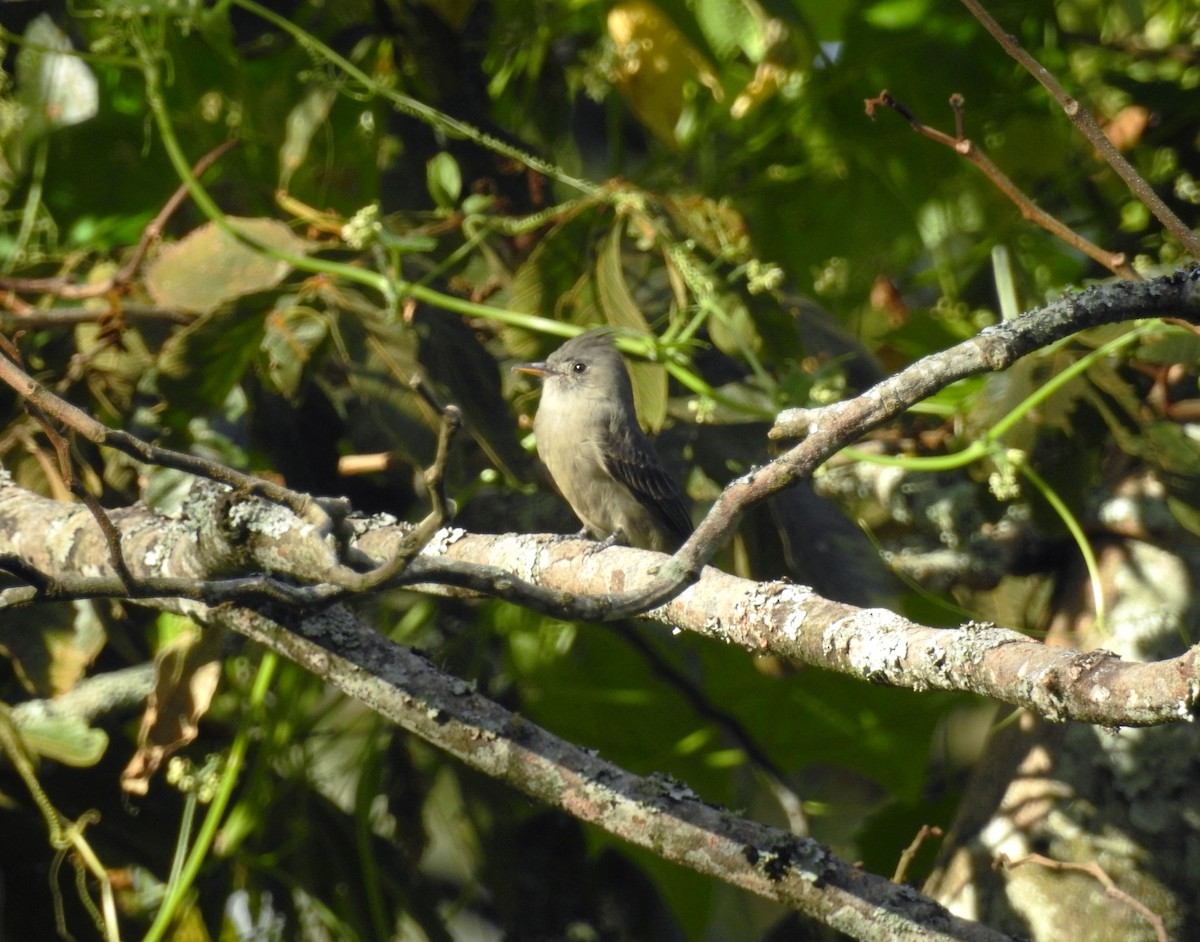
(655, 66)
(187, 672)
(210, 266)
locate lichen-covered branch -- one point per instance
(656, 813)
(239, 549)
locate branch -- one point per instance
(1094, 870)
(873, 645)
(1115, 262)
(314, 511)
(169, 559)
(654, 812)
(92, 697)
(1083, 120)
(832, 428)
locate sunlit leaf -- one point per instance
(210, 266)
(52, 646)
(56, 85)
(656, 66)
(65, 739)
(620, 310)
(305, 119)
(732, 25)
(444, 180)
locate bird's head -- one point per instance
(587, 365)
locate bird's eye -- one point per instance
(579, 367)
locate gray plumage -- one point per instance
(589, 439)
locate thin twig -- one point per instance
(307, 508)
(439, 510)
(155, 227)
(66, 467)
(247, 590)
(29, 317)
(73, 291)
(1093, 869)
(1115, 262)
(1083, 120)
(906, 856)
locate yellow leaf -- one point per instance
(656, 66)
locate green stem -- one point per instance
(177, 891)
(1073, 527)
(208, 205)
(388, 289)
(33, 202)
(983, 445)
(417, 109)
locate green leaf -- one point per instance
(553, 268)
(620, 310)
(444, 180)
(897, 14)
(733, 330)
(211, 266)
(730, 25)
(293, 334)
(65, 739)
(1173, 347)
(199, 365)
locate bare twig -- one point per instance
(439, 511)
(1115, 262)
(69, 316)
(60, 287)
(1083, 120)
(155, 227)
(1094, 870)
(925, 832)
(247, 590)
(307, 508)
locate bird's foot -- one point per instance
(616, 538)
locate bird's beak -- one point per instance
(535, 369)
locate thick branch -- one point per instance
(874, 645)
(177, 559)
(656, 813)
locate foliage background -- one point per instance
(783, 247)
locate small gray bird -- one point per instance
(589, 439)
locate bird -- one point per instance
(599, 458)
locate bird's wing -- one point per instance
(635, 464)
